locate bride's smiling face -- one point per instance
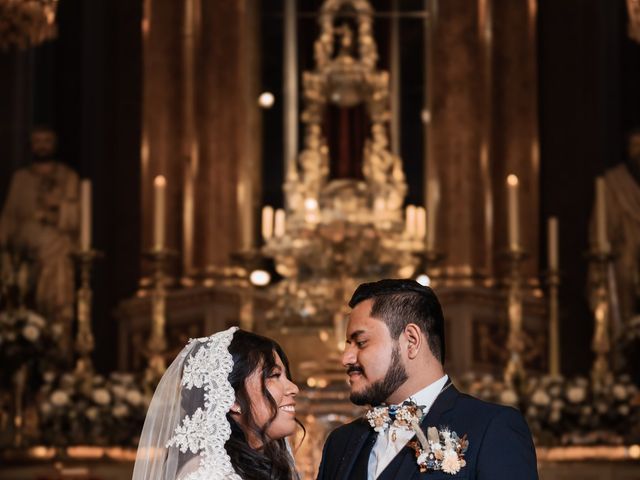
(282, 390)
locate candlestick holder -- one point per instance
(85, 342)
(600, 259)
(514, 373)
(157, 344)
(553, 284)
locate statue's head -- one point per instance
(43, 143)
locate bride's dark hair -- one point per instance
(273, 460)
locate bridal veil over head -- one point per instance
(186, 426)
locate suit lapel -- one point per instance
(355, 444)
(445, 401)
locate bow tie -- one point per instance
(400, 416)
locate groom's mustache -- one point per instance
(354, 369)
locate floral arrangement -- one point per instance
(575, 412)
(28, 343)
(92, 410)
(440, 450)
(568, 411)
(27, 340)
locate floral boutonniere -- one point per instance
(406, 416)
(440, 450)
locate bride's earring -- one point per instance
(237, 410)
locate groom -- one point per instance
(395, 353)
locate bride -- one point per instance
(222, 410)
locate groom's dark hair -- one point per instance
(399, 302)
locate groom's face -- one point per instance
(372, 358)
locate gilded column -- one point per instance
(395, 79)
(457, 144)
(290, 89)
(226, 124)
(515, 120)
(161, 150)
(483, 126)
(190, 144)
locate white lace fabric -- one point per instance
(205, 363)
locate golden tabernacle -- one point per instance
(173, 169)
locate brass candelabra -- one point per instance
(85, 342)
(157, 344)
(601, 344)
(514, 372)
(553, 282)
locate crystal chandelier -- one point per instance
(27, 23)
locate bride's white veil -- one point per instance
(186, 426)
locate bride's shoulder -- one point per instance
(192, 466)
(188, 468)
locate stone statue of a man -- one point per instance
(41, 213)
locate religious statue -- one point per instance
(41, 214)
(383, 170)
(622, 204)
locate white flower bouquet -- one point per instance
(77, 410)
(27, 340)
(568, 411)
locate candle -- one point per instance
(514, 214)
(433, 198)
(421, 222)
(85, 215)
(159, 205)
(280, 223)
(552, 245)
(410, 220)
(602, 238)
(267, 222)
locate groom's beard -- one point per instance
(379, 391)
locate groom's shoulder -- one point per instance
(359, 424)
(481, 409)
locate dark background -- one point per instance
(87, 86)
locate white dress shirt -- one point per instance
(385, 449)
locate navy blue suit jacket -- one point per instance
(500, 444)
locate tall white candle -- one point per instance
(85, 215)
(280, 223)
(514, 214)
(159, 209)
(410, 220)
(267, 222)
(601, 216)
(552, 245)
(421, 222)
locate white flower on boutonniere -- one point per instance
(378, 418)
(404, 417)
(439, 450)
